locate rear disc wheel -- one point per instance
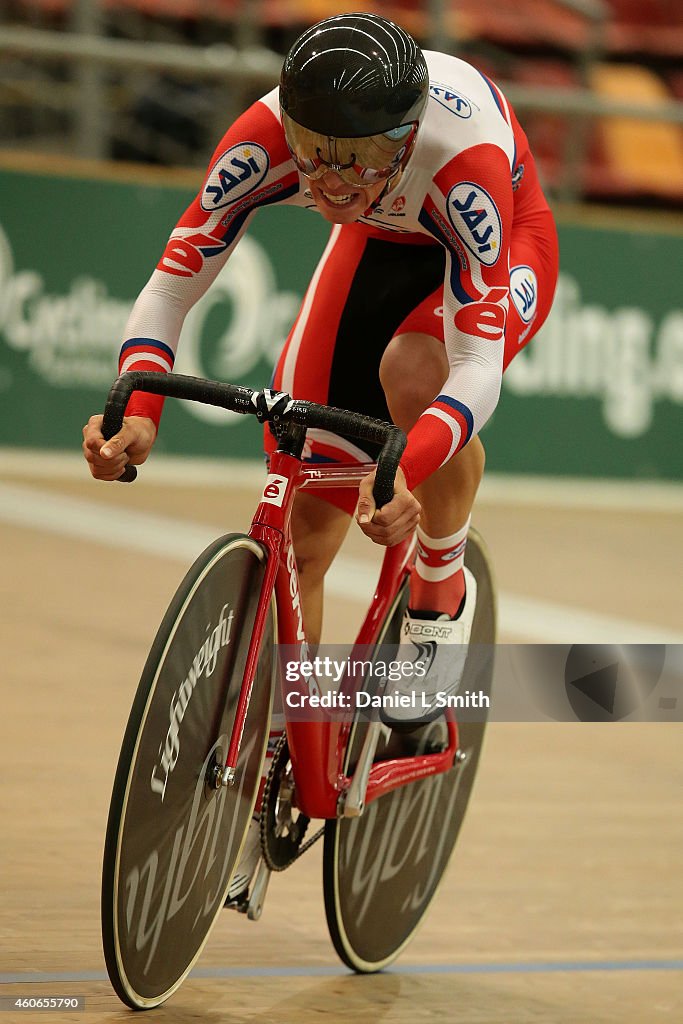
(382, 869)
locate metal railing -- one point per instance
(91, 59)
(261, 67)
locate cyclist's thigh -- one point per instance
(303, 369)
(413, 369)
(426, 317)
(362, 290)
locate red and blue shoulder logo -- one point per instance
(475, 217)
(450, 99)
(236, 173)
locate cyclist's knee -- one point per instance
(314, 555)
(466, 468)
(472, 458)
(412, 371)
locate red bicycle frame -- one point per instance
(317, 748)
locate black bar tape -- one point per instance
(112, 420)
(340, 421)
(171, 385)
(241, 400)
(387, 464)
(364, 428)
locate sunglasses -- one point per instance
(345, 156)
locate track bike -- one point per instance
(190, 767)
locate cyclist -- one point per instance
(441, 265)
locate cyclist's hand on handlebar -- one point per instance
(108, 459)
(393, 523)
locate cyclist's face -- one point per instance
(339, 202)
(347, 175)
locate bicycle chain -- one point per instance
(270, 791)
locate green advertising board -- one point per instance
(598, 392)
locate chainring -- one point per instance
(282, 834)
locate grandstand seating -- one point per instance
(626, 158)
(652, 27)
(531, 42)
(506, 22)
(549, 134)
(632, 157)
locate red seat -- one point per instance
(646, 26)
(548, 133)
(224, 10)
(629, 157)
(676, 84)
(301, 13)
(536, 23)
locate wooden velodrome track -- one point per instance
(563, 902)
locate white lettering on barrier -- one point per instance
(71, 338)
(619, 356)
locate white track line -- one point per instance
(523, 617)
(504, 489)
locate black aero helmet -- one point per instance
(354, 75)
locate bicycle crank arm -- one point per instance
(352, 800)
(257, 896)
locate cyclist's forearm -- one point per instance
(151, 339)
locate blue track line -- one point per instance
(523, 967)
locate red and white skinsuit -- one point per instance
(470, 189)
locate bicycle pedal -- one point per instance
(240, 903)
